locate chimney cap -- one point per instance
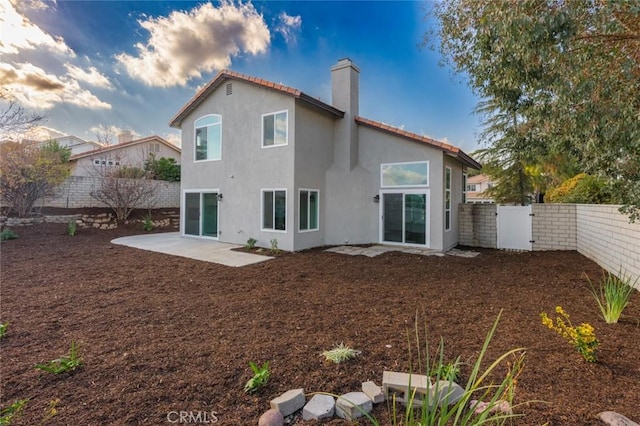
(344, 63)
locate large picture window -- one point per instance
(274, 129)
(447, 198)
(405, 174)
(208, 143)
(309, 208)
(274, 209)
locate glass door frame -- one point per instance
(183, 215)
(404, 192)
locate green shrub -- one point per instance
(340, 353)
(613, 295)
(8, 234)
(260, 377)
(147, 225)
(580, 189)
(64, 363)
(251, 243)
(129, 172)
(71, 227)
(163, 169)
(274, 246)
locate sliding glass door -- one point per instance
(404, 217)
(201, 214)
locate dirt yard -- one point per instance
(160, 334)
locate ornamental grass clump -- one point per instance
(582, 337)
(340, 353)
(613, 295)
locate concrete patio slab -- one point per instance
(193, 248)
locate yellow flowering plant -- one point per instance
(582, 337)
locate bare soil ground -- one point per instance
(160, 334)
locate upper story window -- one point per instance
(471, 187)
(405, 174)
(154, 147)
(208, 143)
(274, 129)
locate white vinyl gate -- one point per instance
(515, 227)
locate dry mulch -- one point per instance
(159, 333)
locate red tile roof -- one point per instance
(223, 75)
(450, 149)
(124, 145)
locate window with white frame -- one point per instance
(274, 129)
(154, 147)
(208, 141)
(464, 188)
(471, 187)
(404, 174)
(309, 209)
(274, 209)
(447, 198)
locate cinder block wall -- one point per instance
(554, 227)
(605, 236)
(477, 225)
(75, 192)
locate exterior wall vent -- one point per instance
(229, 88)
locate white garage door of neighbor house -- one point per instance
(514, 228)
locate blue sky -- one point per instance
(132, 65)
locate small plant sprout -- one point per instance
(71, 228)
(251, 243)
(340, 353)
(449, 372)
(3, 329)
(259, 379)
(12, 412)
(8, 234)
(613, 295)
(63, 364)
(147, 225)
(274, 246)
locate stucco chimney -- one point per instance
(125, 136)
(345, 92)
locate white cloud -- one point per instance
(43, 133)
(173, 138)
(19, 33)
(288, 26)
(33, 87)
(92, 77)
(183, 45)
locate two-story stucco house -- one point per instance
(266, 161)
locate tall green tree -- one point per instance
(567, 70)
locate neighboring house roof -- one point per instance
(223, 75)
(124, 145)
(481, 178)
(449, 149)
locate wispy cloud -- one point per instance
(92, 77)
(288, 26)
(183, 45)
(18, 33)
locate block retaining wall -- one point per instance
(599, 232)
(75, 192)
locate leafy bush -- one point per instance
(64, 363)
(260, 377)
(580, 189)
(71, 228)
(613, 295)
(274, 246)
(340, 353)
(582, 337)
(8, 234)
(128, 172)
(147, 225)
(251, 243)
(163, 169)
